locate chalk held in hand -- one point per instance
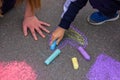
(52, 56)
(53, 45)
(84, 53)
(75, 63)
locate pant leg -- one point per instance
(107, 7)
(7, 5)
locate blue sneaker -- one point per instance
(98, 18)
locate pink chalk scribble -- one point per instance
(16, 71)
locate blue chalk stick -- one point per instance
(53, 46)
(52, 56)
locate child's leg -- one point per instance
(7, 5)
(107, 7)
(107, 10)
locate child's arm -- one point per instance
(31, 22)
(67, 18)
(70, 12)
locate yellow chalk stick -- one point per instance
(75, 63)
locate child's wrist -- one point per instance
(26, 16)
(61, 28)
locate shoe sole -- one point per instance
(113, 19)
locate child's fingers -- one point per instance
(58, 40)
(44, 29)
(33, 33)
(45, 24)
(40, 32)
(25, 30)
(53, 38)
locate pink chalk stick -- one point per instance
(84, 53)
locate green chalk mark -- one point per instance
(75, 36)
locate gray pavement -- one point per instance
(15, 47)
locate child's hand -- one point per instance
(34, 25)
(57, 35)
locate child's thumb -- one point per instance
(58, 40)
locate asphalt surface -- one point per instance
(15, 47)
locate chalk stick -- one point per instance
(75, 63)
(53, 45)
(84, 53)
(52, 56)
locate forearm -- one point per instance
(71, 13)
(28, 10)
